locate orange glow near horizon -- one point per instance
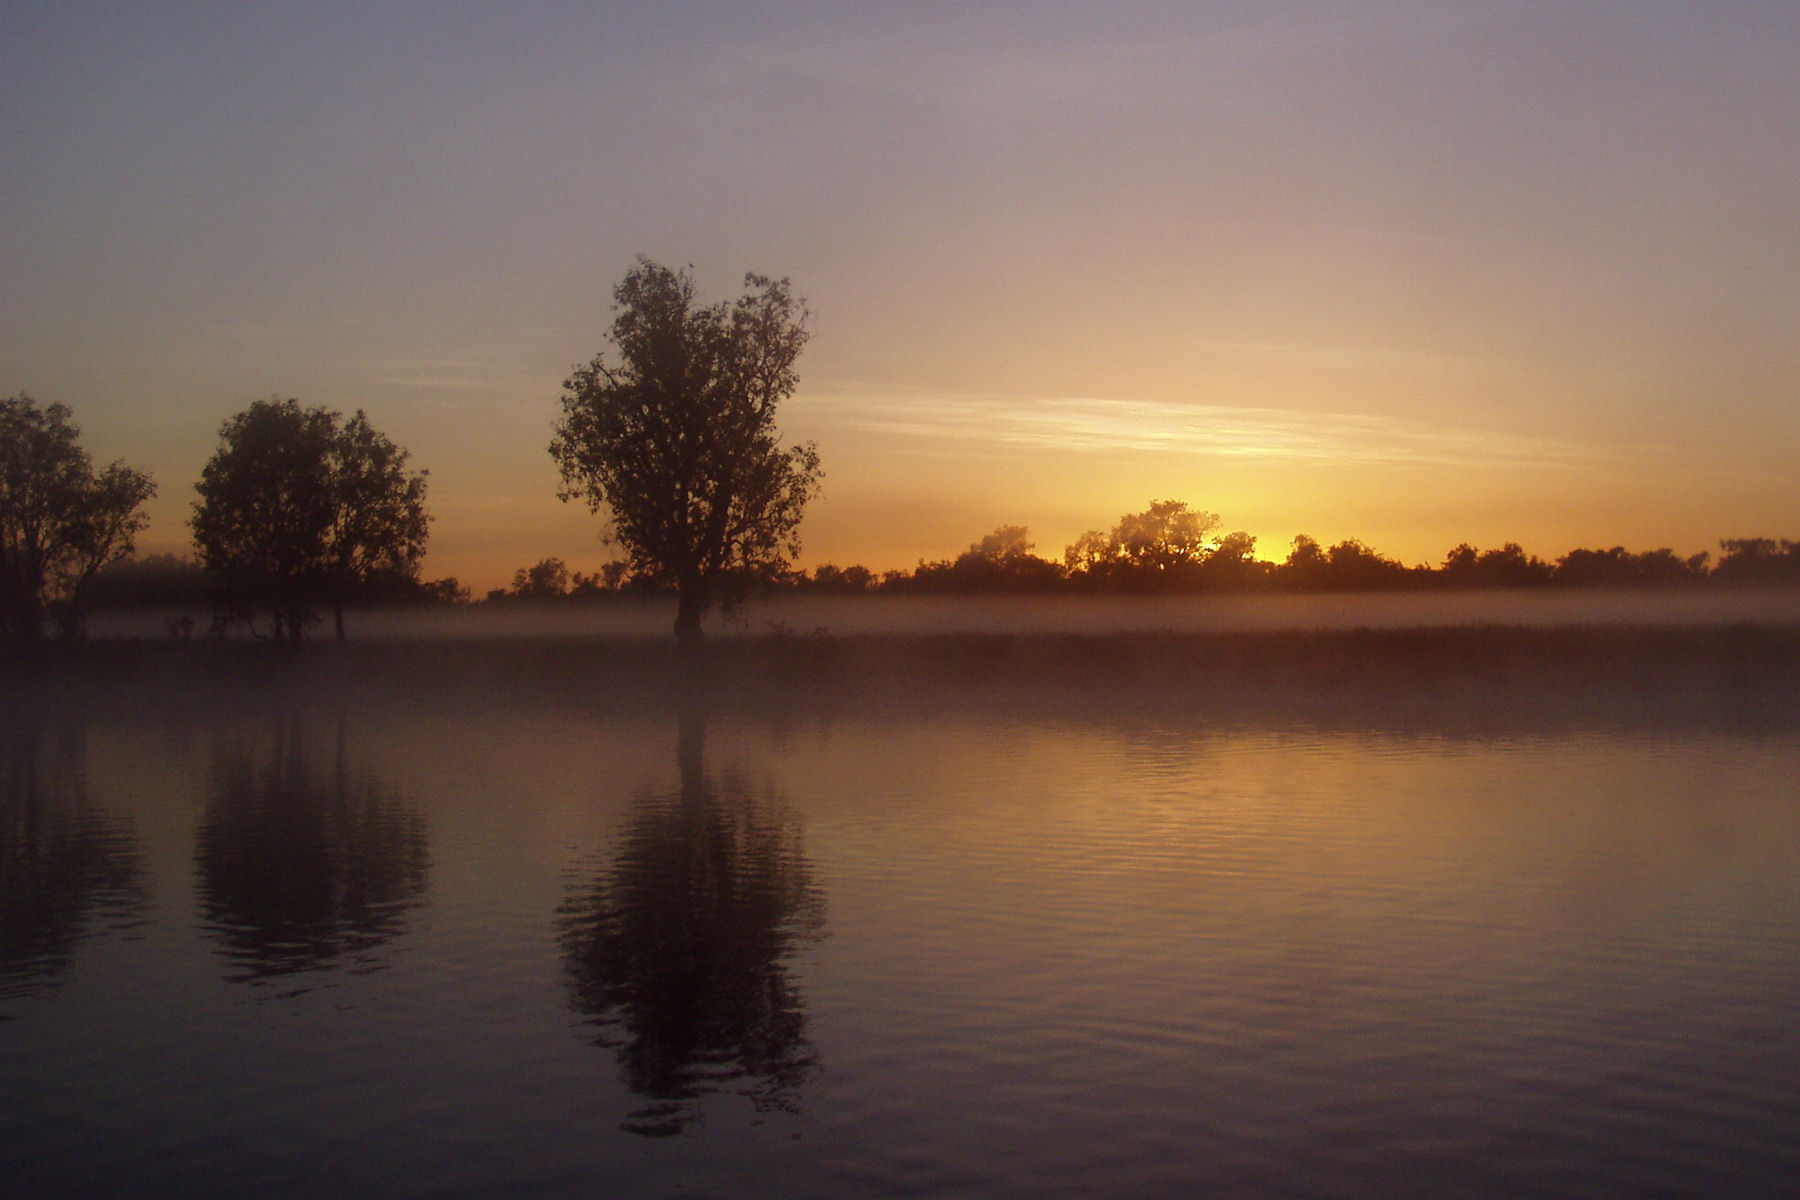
(1420, 275)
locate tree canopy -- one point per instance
(59, 520)
(675, 437)
(301, 509)
(1161, 546)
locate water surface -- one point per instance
(285, 942)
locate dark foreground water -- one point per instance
(363, 940)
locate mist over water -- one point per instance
(524, 919)
(903, 615)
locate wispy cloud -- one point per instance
(1099, 424)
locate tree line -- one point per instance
(671, 439)
(1004, 563)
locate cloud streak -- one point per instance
(1078, 424)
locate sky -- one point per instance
(1416, 273)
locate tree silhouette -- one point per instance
(59, 521)
(300, 509)
(1509, 566)
(1001, 561)
(548, 580)
(677, 951)
(1758, 560)
(1160, 546)
(1619, 567)
(677, 440)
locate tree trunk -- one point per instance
(30, 618)
(690, 607)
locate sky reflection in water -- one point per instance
(953, 949)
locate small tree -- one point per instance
(676, 441)
(300, 509)
(59, 521)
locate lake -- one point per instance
(1460, 916)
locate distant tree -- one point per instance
(547, 580)
(1618, 567)
(59, 521)
(1356, 567)
(1166, 536)
(1232, 565)
(156, 580)
(1160, 545)
(676, 440)
(1306, 562)
(448, 590)
(615, 574)
(300, 509)
(1089, 554)
(1347, 566)
(1008, 543)
(836, 580)
(1509, 566)
(1758, 561)
(1002, 561)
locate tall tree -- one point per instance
(59, 521)
(676, 439)
(300, 509)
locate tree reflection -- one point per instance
(678, 951)
(67, 867)
(305, 864)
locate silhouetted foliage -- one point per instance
(154, 581)
(300, 509)
(838, 581)
(1509, 566)
(676, 441)
(1618, 567)
(1232, 565)
(547, 580)
(1347, 566)
(304, 863)
(678, 951)
(1155, 551)
(1352, 566)
(448, 590)
(59, 521)
(1000, 562)
(1758, 561)
(1160, 547)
